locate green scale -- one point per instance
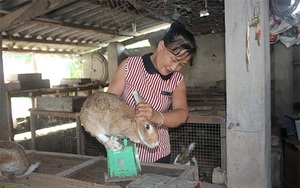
(124, 163)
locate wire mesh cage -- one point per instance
(209, 147)
(209, 139)
(92, 146)
(94, 169)
(54, 134)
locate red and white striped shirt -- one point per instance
(156, 89)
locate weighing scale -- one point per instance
(123, 164)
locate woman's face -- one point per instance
(167, 62)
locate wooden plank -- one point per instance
(55, 114)
(36, 180)
(13, 86)
(60, 104)
(169, 166)
(27, 84)
(205, 119)
(161, 181)
(35, 84)
(75, 81)
(195, 98)
(63, 155)
(78, 167)
(53, 90)
(29, 76)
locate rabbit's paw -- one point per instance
(113, 144)
(6, 177)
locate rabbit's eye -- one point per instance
(148, 127)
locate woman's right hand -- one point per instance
(145, 111)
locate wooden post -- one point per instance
(33, 120)
(79, 136)
(9, 125)
(4, 131)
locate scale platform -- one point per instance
(123, 164)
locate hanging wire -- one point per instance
(286, 14)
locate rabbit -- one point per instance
(14, 162)
(185, 158)
(105, 116)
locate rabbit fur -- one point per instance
(14, 161)
(105, 116)
(185, 158)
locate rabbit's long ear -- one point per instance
(192, 147)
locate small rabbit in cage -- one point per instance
(105, 116)
(185, 157)
(14, 162)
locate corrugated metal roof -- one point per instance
(79, 26)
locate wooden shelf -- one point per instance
(206, 105)
(33, 93)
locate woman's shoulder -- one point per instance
(134, 61)
(140, 58)
(134, 58)
(177, 77)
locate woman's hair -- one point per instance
(178, 38)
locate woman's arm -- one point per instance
(174, 118)
(117, 83)
(180, 111)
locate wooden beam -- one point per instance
(45, 52)
(193, 118)
(30, 11)
(47, 21)
(43, 41)
(155, 36)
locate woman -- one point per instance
(155, 76)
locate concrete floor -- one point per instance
(210, 185)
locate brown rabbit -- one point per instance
(105, 116)
(14, 161)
